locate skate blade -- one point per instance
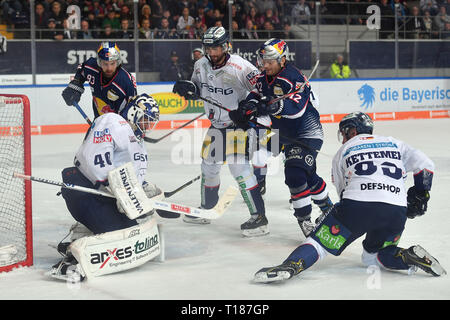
(266, 277)
(435, 268)
(75, 278)
(257, 232)
(56, 276)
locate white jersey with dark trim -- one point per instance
(226, 86)
(110, 143)
(373, 168)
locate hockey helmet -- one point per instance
(272, 49)
(142, 113)
(216, 37)
(359, 120)
(108, 51)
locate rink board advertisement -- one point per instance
(382, 98)
(382, 95)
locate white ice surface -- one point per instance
(214, 261)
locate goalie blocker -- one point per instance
(133, 200)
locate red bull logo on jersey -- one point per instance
(102, 136)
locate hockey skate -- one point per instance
(256, 226)
(195, 220)
(68, 269)
(284, 271)
(419, 257)
(306, 225)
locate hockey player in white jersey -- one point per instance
(226, 79)
(368, 172)
(112, 141)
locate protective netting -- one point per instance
(13, 217)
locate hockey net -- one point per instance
(16, 247)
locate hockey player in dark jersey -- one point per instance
(297, 120)
(111, 84)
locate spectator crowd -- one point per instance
(189, 19)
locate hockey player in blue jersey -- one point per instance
(110, 83)
(368, 172)
(297, 119)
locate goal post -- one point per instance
(16, 240)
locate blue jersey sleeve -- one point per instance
(90, 64)
(130, 84)
(290, 80)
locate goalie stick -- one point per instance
(219, 209)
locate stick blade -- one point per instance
(151, 140)
(226, 200)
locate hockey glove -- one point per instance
(416, 202)
(264, 108)
(72, 93)
(245, 112)
(186, 89)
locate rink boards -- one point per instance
(383, 99)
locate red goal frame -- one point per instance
(26, 131)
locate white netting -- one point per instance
(12, 190)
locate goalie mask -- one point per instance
(142, 113)
(273, 49)
(108, 51)
(359, 120)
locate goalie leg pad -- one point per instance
(119, 250)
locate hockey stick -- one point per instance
(151, 140)
(214, 213)
(171, 193)
(76, 105)
(270, 102)
(294, 141)
(146, 139)
(299, 89)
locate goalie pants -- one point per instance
(99, 214)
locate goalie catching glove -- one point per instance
(186, 89)
(416, 202)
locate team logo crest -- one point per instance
(277, 91)
(111, 95)
(367, 95)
